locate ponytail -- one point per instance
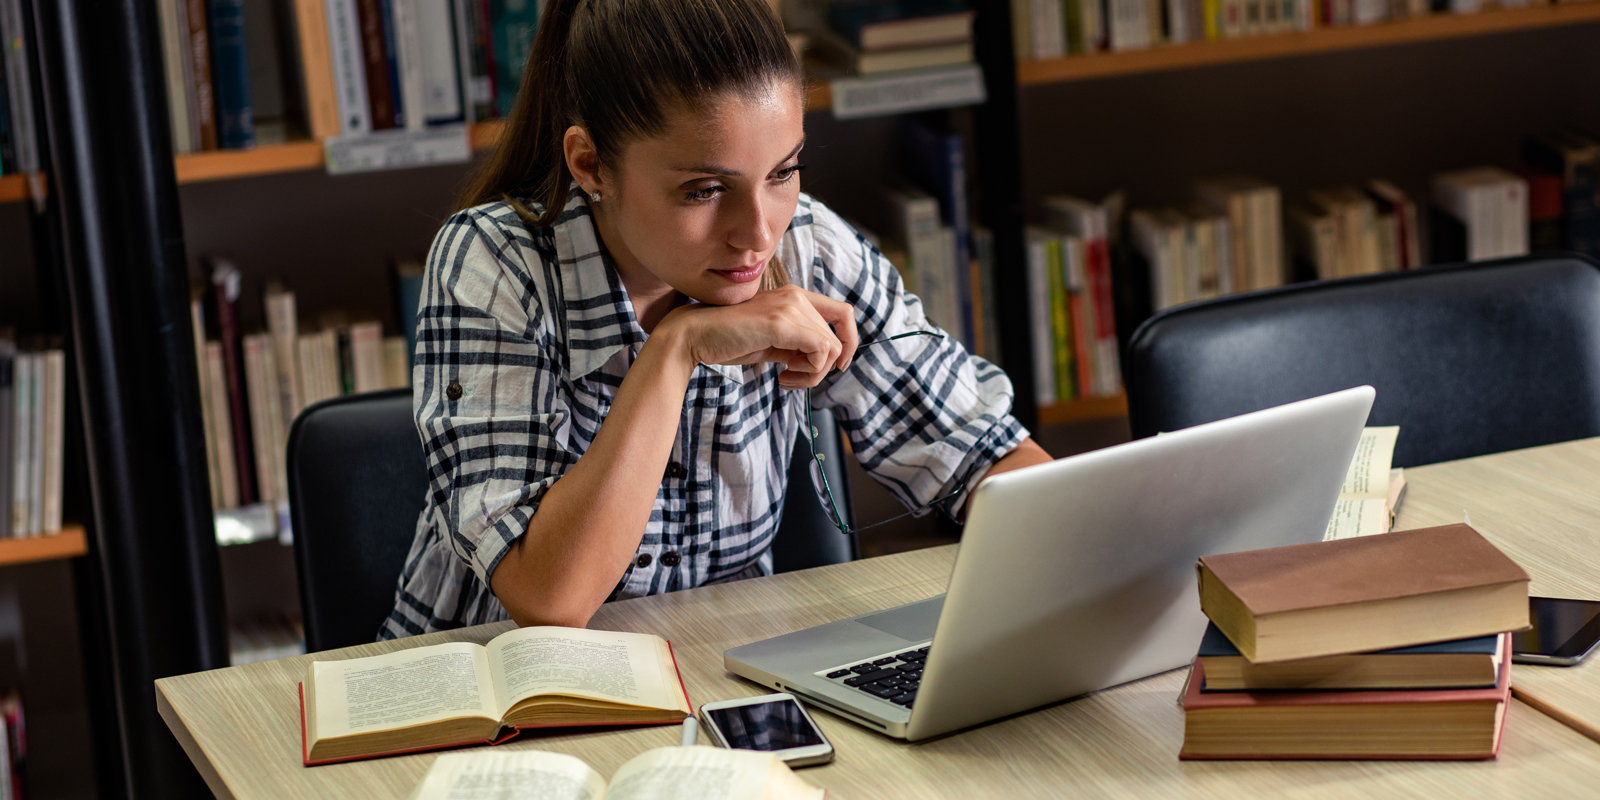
(616, 67)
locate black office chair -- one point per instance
(1467, 359)
(358, 480)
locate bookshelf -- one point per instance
(13, 188)
(1321, 40)
(1085, 409)
(69, 543)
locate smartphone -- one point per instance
(772, 723)
(1563, 632)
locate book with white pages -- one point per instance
(1372, 491)
(665, 773)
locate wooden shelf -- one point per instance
(68, 543)
(13, 188)
(1086, 409)
(1320, 40)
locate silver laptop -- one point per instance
(1075, 575)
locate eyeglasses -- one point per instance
(819, 477)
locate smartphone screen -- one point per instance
(1562, 629)
(778, 725)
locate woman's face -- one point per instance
(702, 207)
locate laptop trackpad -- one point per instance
(914, 623)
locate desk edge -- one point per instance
(197, 754)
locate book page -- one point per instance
(403, 688)
(601, 665)
(707, 773)
(521, 775)
(1357, 517)
(1368, 475)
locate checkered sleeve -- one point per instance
(494, 427)
(925, 418)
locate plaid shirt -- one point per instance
(524, 337)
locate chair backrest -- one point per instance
(805, 537)
(357, 483)
(1467, 359)
(358, 480)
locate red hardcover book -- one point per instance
(375, 62)
(225, 281)
(535, 649)
(1410, 725)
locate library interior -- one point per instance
(1174, 387)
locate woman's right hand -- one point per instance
(810, 334)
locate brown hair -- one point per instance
(616, 67)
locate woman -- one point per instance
(616, 329)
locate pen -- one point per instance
(691, 732)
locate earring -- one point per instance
(594, 197)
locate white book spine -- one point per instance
(408, 57)
(1514, 218)
(55, 368)
(278, 430)
(1178, 16)
(366, 356)
(1044, 370)
(437, 47)
(260, 428)
(1130, 25)
(22, 416)
(174, 35)
(349, 74)
(283, 325)
(36, 427)
(1049, 29)
(462, 25)
(1223, 255)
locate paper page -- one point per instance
(1356, 517)
(1368, 475)
(406, 687)
(694, 773)
(601, 665)
(521, 775)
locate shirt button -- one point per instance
(670, 559)
(676, 470)
(644, 560)
(453, 391)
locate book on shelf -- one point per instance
(230, 74)
(931, 249)
(1458, 664)
(1372, 491)
(934, 159)
(1490, 205)
(513, 24)
(1574, 157)
(32, 409)
(1254, 211)
(1546, 218)
(23, 140)
(1092, 224)
(1383, 724)
(1350, 218)
(460, 693)
(1366, 593)
(658, 773)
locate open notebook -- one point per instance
(459, 693)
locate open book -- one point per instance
(703, 773)
(462, 693)
(1371, 494)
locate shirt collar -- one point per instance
(600, 316)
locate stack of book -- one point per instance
(253, 385)
(1388, 647)
(1570, 159)
(32, 399)
(1069, 285)
(873, 37)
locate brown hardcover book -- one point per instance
(375, 62)
(459, 693)
(199, 54)
(1357, 595)
(316, 64)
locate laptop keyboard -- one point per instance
(892, 676)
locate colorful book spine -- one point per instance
(375, 65)
(231, 71)
(1060, 324)
(226, 280)
(317, 65)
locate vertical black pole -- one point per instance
(121, 247)
(998, 131)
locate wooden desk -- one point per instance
(1541, 506)
(241, 725)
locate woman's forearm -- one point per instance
(589, 523)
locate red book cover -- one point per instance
(375, 62)
(225, 279)
(1500, 693)
(506, 733)
(1082, 343)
